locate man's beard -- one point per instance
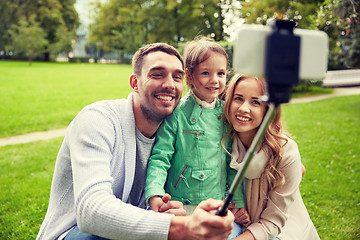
(151, 115)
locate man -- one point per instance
(98, 184)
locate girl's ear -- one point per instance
(134, 82)
(189, 78)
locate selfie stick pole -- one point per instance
(248, 157)
(282, 72)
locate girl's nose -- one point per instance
(214, 78)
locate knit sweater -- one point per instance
(94, 178)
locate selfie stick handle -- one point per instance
(248, 156)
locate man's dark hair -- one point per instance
(139, 55)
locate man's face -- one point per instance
(160, 85)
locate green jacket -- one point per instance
(188, 161)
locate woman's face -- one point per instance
(246, 109)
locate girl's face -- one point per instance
(246, 109)
(209, 77)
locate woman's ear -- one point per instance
(134, 82)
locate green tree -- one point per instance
(260, 12)
(125, 25)
(28, 38)
(7, 18)
(119, 25)
(341, 21)
(51, 15)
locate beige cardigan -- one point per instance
(280, 213)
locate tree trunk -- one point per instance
(47, 56)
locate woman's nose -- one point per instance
(245, 107)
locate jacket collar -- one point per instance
(197, 109)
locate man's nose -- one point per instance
(169, 82)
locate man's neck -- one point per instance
(146, 126)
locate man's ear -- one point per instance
(134, 82)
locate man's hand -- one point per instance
(164, 205)
(202, 224)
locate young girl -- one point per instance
(272, 180)
(187, 160)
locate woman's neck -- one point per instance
(246, 139)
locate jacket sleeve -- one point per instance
(274, 215)
(159, 161)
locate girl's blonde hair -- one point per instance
(274, 138)
(198, 51)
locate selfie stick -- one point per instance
(282, 72)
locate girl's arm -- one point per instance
(164, 205)
(159, 161)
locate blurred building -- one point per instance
(80, 42)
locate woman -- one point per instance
(273, 199)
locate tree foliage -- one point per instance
(299, 11)
(341, 21)
(28, 38)
(125, 25)
(57, 18)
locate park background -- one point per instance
(41, 94)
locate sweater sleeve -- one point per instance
(161, 155)
(98, 210)
(274, 215)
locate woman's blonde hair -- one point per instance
(274, 138)
(198, 51)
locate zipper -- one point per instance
(196, 132)
(181, 175)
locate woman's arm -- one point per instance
(274, 215)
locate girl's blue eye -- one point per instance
(205, 73)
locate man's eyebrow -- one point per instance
(157, 68)
(163, 68)
(180, 71)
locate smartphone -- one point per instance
(249, 51)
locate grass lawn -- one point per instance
(48, 95)
(25, 177)
(45, 96)
(328, 135)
